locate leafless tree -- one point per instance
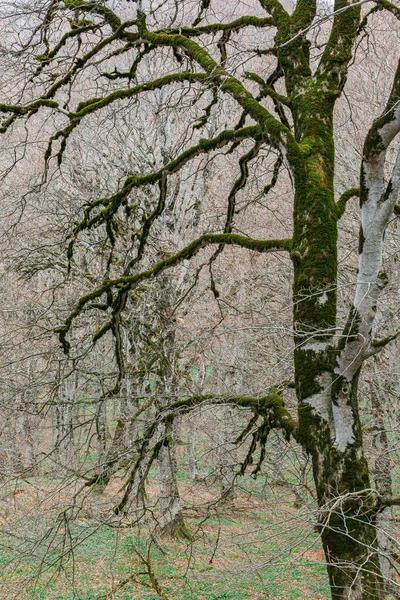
(276, 74)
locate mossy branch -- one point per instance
(267, 91)
(344, 198)
(275, 174)
(96, 8)
(271, 406)
(280, 16)
(236, 25)
(332, 68)
(20, 111)
(94, 104)
(395, 10)
(46, 58)
(126, 283)
(274, 131)
(205, 145)
(378, 344)
(81, 61)
(33, 106)
(148, 222)
(239, 184)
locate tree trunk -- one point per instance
(121, 452)
(101, 431)
(191, 454)
(25, 441)
(384, 487)
(227, 461)
(197, 469)
(64, 439)
(329, 425)
(171, 519)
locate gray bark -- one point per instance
(64, 438)
(227, 460)
(383, 484)
(170, 519)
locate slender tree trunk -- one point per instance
(171, 518)
(25, 442)
(101, 431)
(129, 431)
(197, 469)
(64, 438)
(227, 460)
(191, 454)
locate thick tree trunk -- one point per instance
(348, 520)
(329, 426)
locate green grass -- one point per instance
(251, 552)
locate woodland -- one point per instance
(200, 284)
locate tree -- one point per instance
(300, 75)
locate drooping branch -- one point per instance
(126, 283)
(95, 104)
(233, 26)
(239, 184)
(273, 130)
(48, 56)
(395, 10)
(270, 407)
(111, 205)
(344, 198)
(275, 173)
(276, 133)
(83, 60)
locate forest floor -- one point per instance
(259, 546)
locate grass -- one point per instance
(254, 549)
